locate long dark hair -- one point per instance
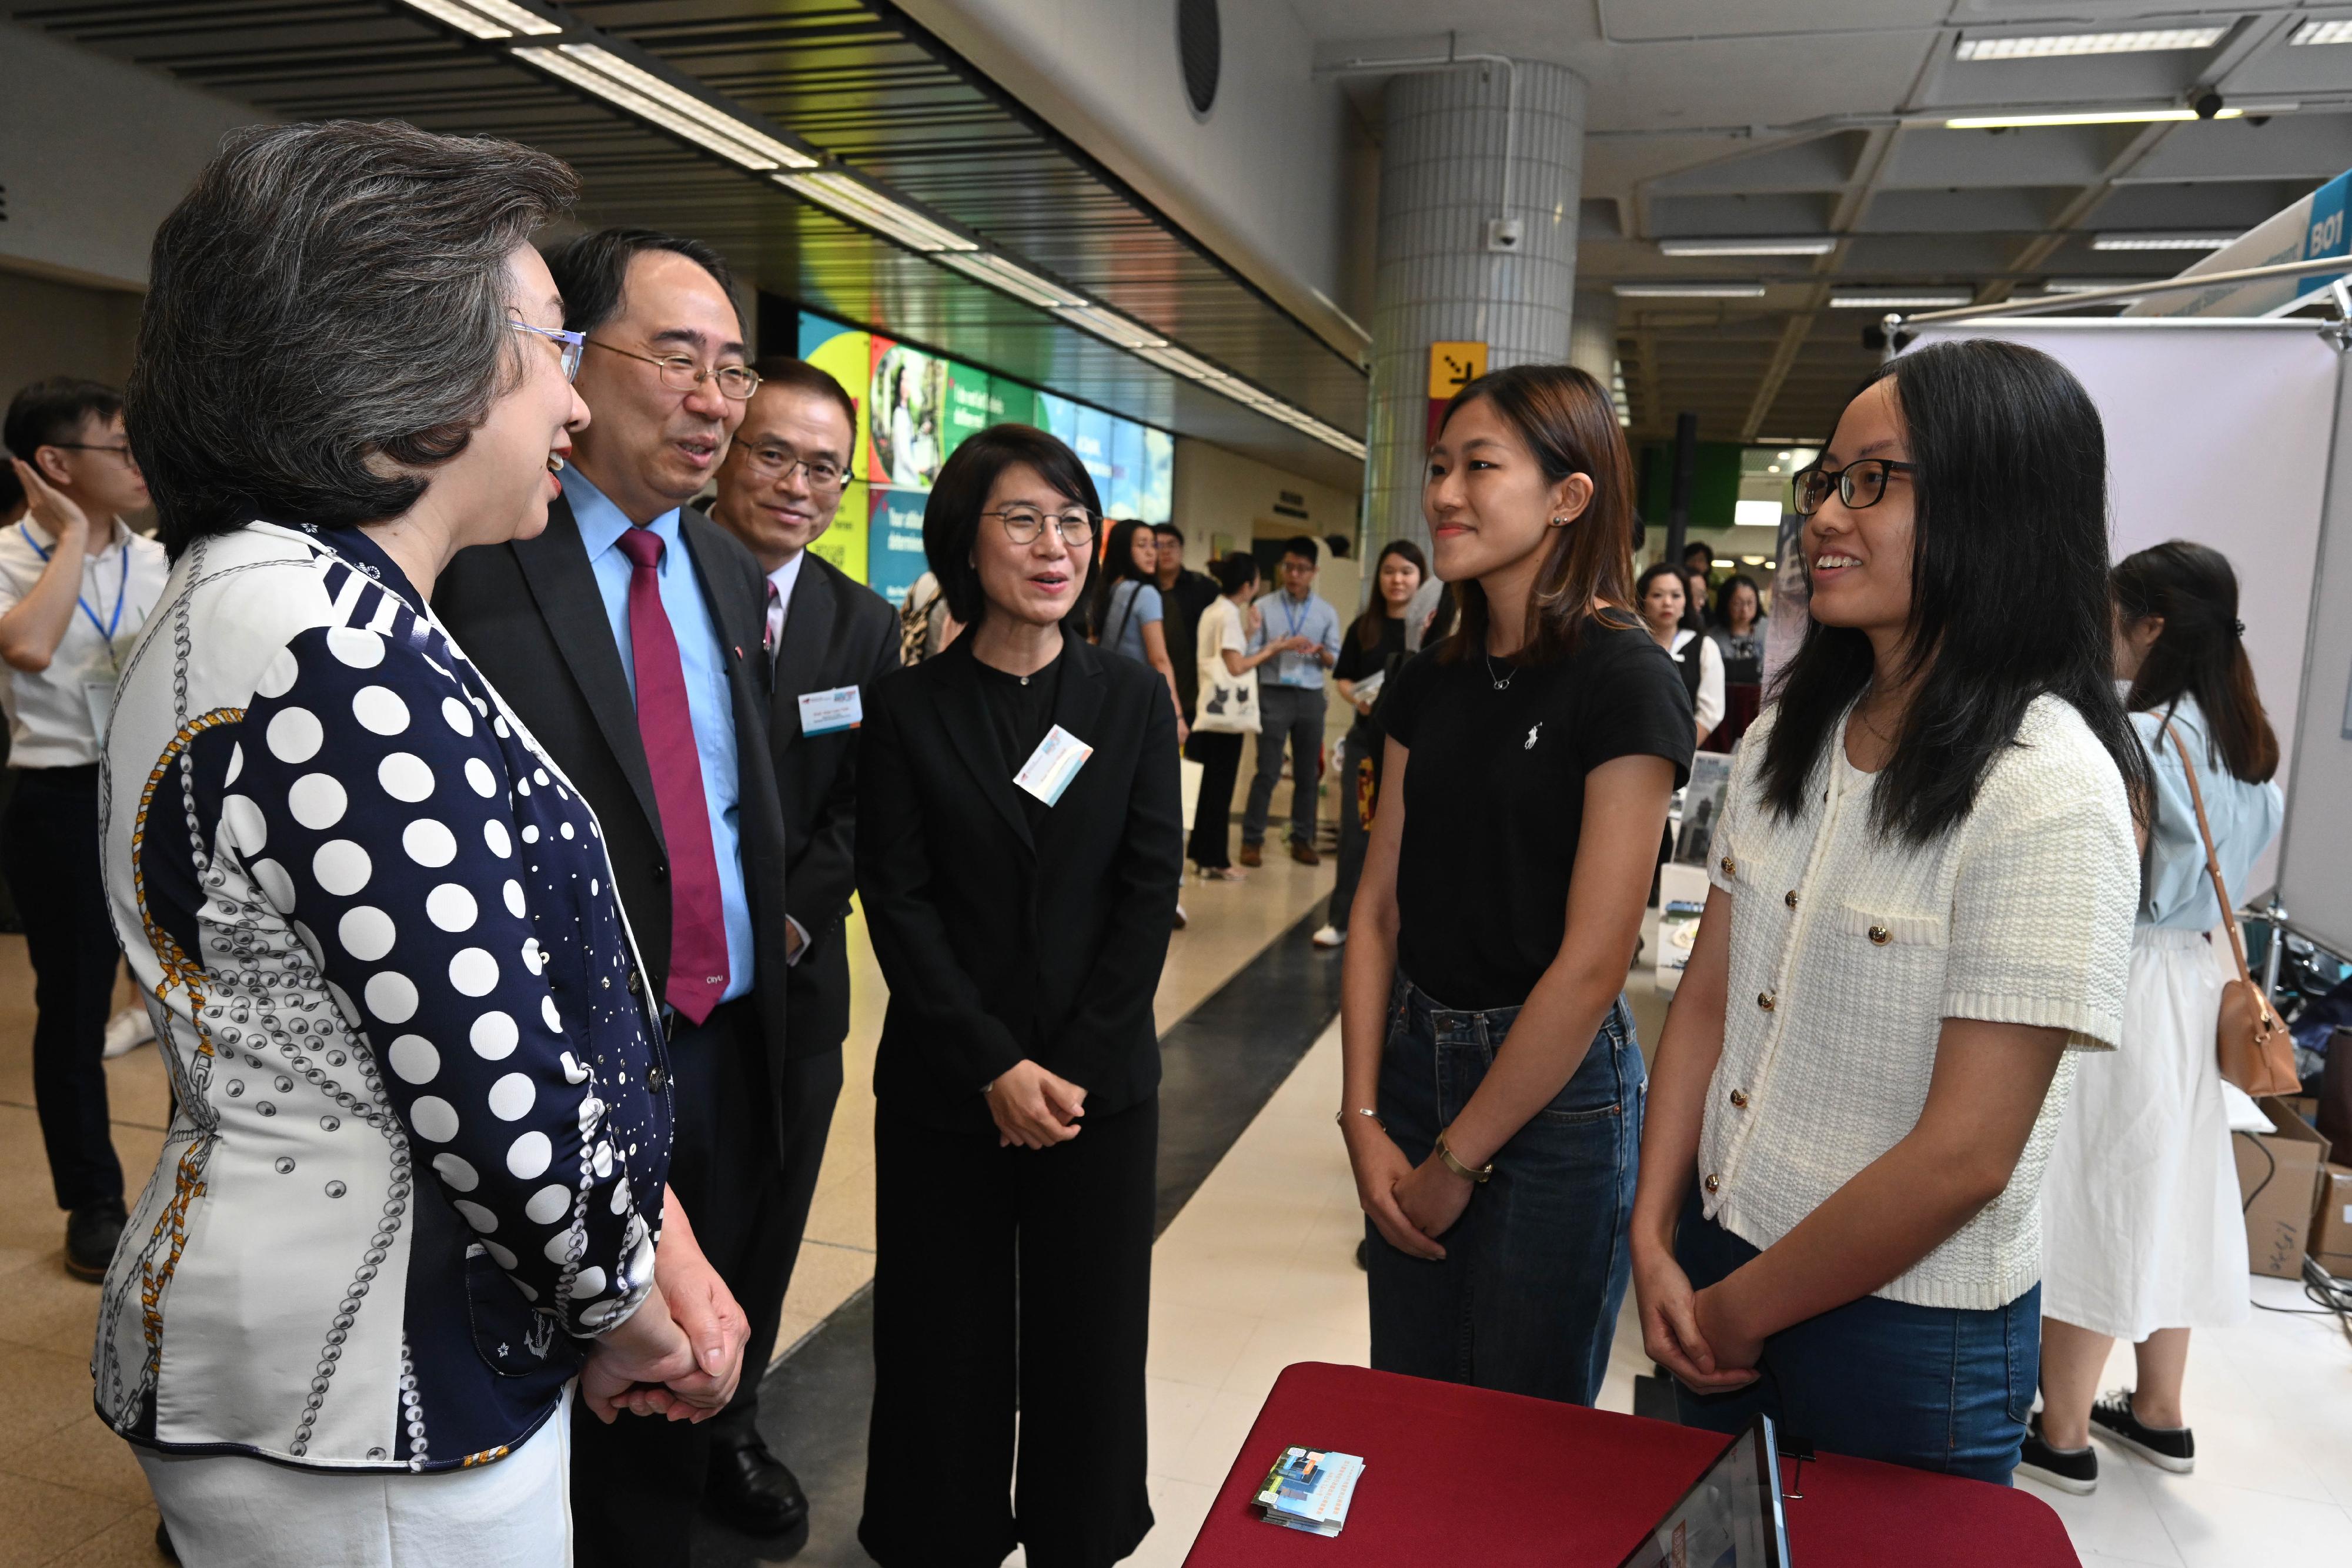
(2200, 652)
(1730, 591)
(2008, 590)
(1117, 567)
(1368, 626)
(1569, 423)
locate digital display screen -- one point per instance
(914, 408)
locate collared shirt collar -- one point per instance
(601, 522)
(117, 536)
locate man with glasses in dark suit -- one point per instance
(828, 638)
(629, 636)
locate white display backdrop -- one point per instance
(2218, 432)
(2316, 880)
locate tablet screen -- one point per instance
(1730, 1518)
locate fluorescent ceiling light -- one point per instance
(1688, 290)
(2084, 117)
(2162, 241)
(2090, 285)
(2047, 45)
(2323, 33)
(1111, 326)
(1190, 366)
(488, 18)
(1900, 300)
(1805, 245)
(1019, 282)
(647, 95)
(862, 204)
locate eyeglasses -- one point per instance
(1858, 485)
(736, 383)
(775, 465)
(1024, 524)
(568, 345)
(123, 452)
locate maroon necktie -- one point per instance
(697, 917)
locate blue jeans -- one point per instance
(1526, 1297)
(1936, 1388)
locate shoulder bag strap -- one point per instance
(2212, 860)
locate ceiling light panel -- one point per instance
(487, 18)
(617, 81)
(2089, 285)
(1797, 244)
(2162, 241)
(2083, 117)
(1688, 290)
(1112, 326)
(1902, 300)
(861, 204)
(1017, 281)
(2323, 33)
(2052, 45)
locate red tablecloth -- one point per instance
(1462, 1475)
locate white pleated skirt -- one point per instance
(228, 1510)
(2141, 1228)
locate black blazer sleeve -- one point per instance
(966, 1047)
(821, 880)
(1115, 1000)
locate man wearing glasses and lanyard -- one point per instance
(76, 585)
(1290, 698)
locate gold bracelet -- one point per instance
(1478, 1173)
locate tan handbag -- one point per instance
(2256, 1051)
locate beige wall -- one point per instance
(1221, 492)
(49, 329)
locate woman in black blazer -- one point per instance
(1022, 933)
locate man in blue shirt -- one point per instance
(1290, 700)
(628, 637)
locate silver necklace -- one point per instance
(1502, 683)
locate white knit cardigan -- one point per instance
(1849, 950)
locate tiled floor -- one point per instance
(1256, 1271)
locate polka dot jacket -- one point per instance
(422, 1121)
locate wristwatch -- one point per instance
(1478, 1173)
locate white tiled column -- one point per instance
(1442, 161)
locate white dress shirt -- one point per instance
(780, 597)
(55, 714)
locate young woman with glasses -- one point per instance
(1020, 840)
(1492, 1094)
(1922, 887)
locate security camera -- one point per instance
(2207, 104)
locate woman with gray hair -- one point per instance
(414, 1186)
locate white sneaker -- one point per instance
(1182, 919)
(127, 1030)
(1330, 936)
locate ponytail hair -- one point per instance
(2201, 651)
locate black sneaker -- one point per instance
(91, 1232)
(2170, 1448)
(2075, 1470)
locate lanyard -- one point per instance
(106, 629)
(1294, 614)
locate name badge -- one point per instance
(97, 698)
(1053, 765)
(822, 713)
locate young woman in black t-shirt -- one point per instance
(1494, 1089)
(1370, 653)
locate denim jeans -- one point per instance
(1936, 1388)
(1526, 1299)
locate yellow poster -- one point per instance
(1453, 366)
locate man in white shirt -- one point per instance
(76, 586)
(829, 638)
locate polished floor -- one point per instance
(1254, 1270)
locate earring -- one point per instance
(1559, 522)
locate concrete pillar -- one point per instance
(1441, 165)
(1592, 335)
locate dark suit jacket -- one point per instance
(998, 944)
(837, 633)
(528, 614)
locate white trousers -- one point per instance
(229, 1511)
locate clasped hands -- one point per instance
(1034, 1108)
(1412, 1205)
(681, 1354)
(1700, 1336)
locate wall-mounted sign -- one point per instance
(1452, 367)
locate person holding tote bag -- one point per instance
(2143, 1236)
(1227, 710)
